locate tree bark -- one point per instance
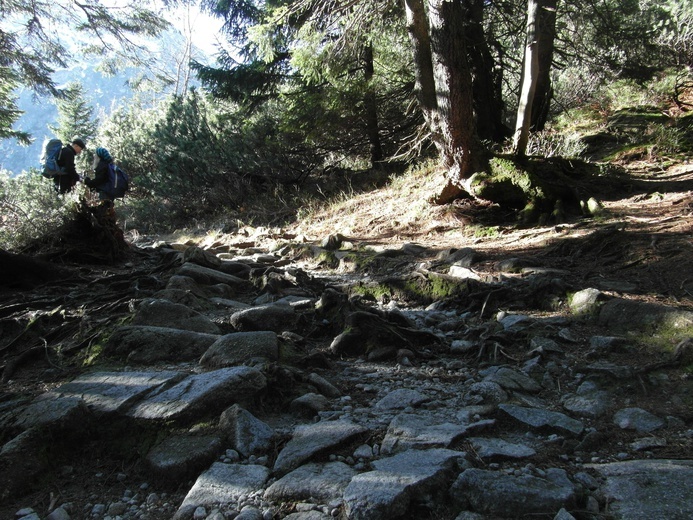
(488, 98)
(530, 74)
(417, 26)
(454, 94)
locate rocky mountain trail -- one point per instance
(347, 369)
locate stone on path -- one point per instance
(426, 430)
(588, 401)
(511, 379)
(115, 392)
(324, 482)
(619, 315)
(48, 411)
(239, 347)
(541, 419)
(312, 439)
(498, 449)
(648, 489)
(244, 432)
(495, 493)
(307, 515)
(401, 398)
(181, 456)
(277, 318)
(586, 301)
(323, 385)
(201, 394)
(309, 405)
(23, 461)
(389, 490)
(637, 419)
(140, 344)
(163, 313)
(224, 484)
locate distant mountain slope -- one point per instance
(40, 112)
(103, 92)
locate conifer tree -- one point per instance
(75, 118)
(75, 115)
(8, 111)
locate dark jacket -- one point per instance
(64, 183)
(100, 178)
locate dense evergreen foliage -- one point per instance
(8, 111)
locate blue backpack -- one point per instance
(52, 148)
(118, 182)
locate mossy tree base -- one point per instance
(542, 190)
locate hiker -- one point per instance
(100, 181)
(65, 182)
(104, 213)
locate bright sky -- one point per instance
(204, 28)
(188, 19)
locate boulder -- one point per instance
(163, 313)
(200, 395)
(494, 493)
(239, 347)
(277, 318)
(147, 345)
(244, 432)
(180, 457)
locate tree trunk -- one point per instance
(417, 26)
(488, 98)
(546, 35)
(530, 74)
(371, 108)
(462, 153)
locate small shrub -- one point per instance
(553, 144)
(622, 94)
(575, 87)
(486, 232)
(663, 87)
(585, 119)
(667, 139)
(31, 209)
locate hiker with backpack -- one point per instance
(102, 160)
(65, 181)
(110, 181)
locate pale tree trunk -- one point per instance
(546, 35)
(183, 59)
(530, 75)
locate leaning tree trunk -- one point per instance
(462, 152)
(546, 35)
(530, 75)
